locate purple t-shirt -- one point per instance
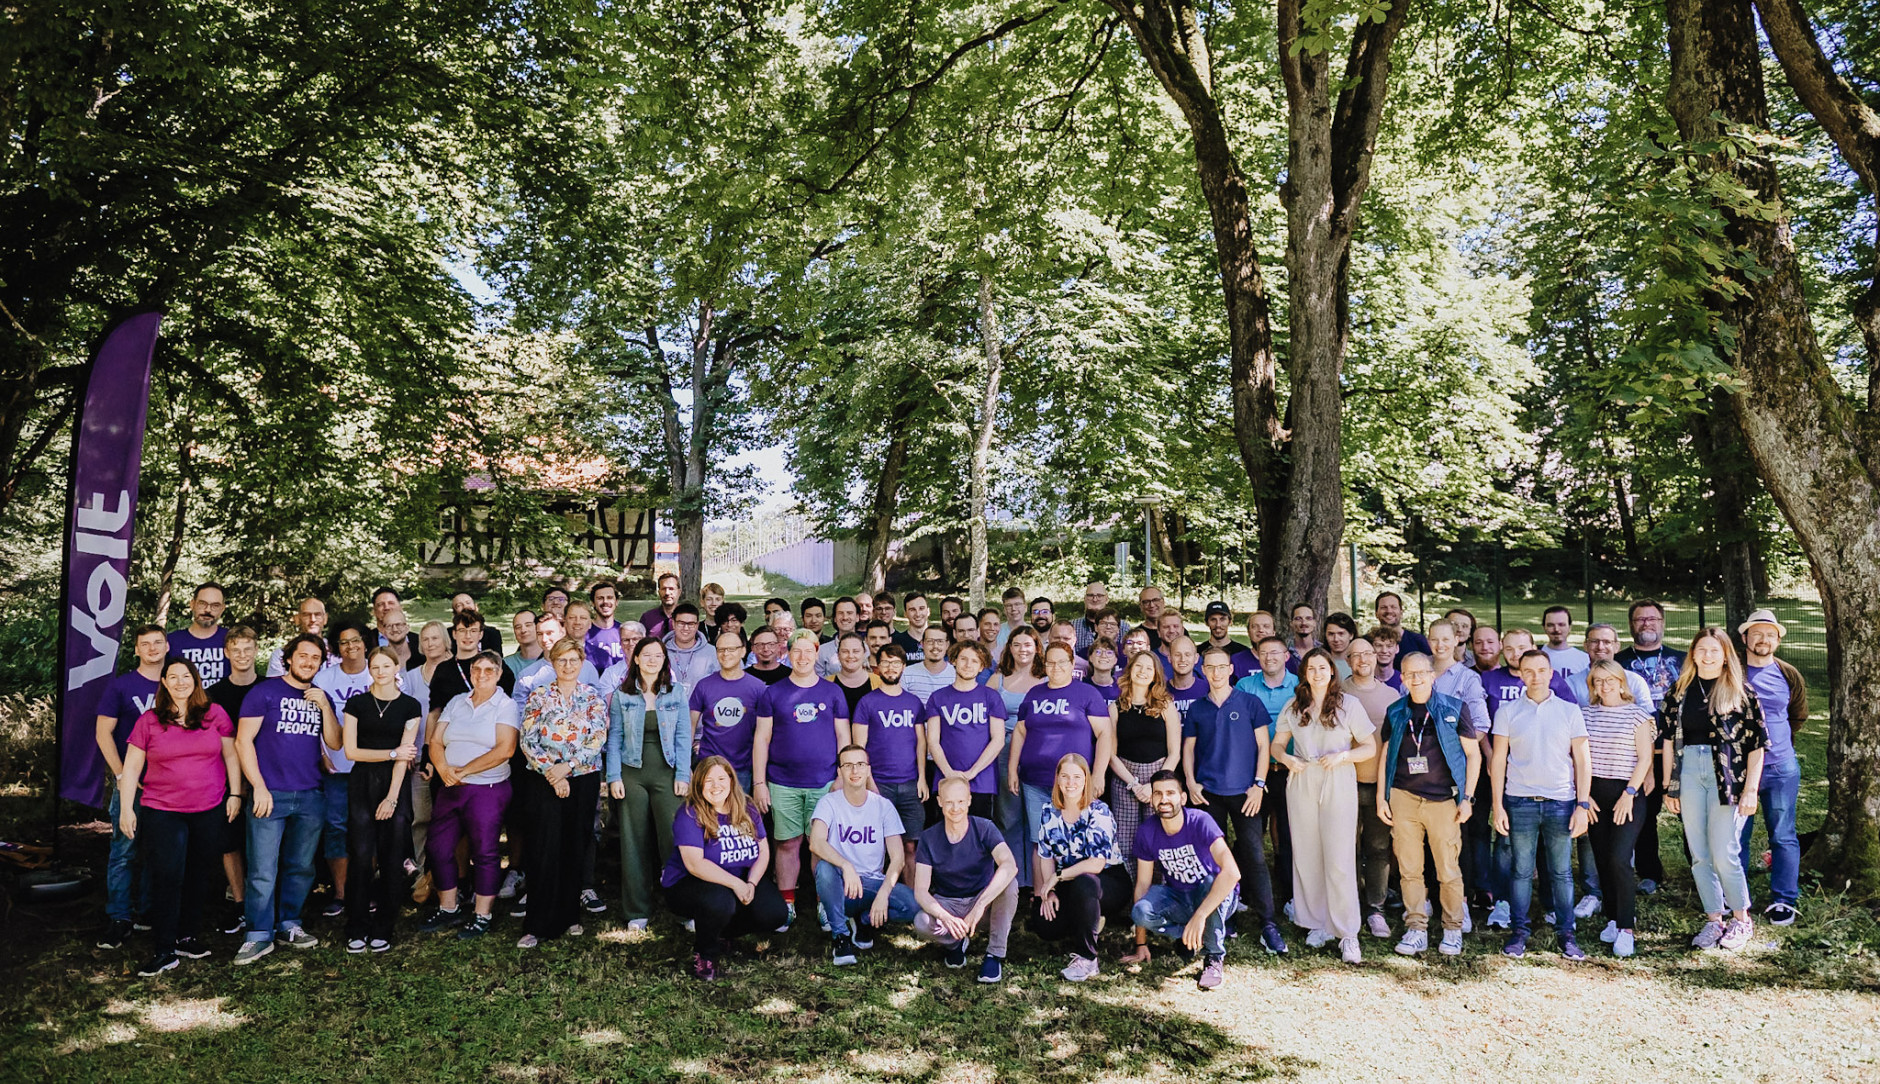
(1503, 686)
(1186, 857)
(803, 731)
(288, 745)
(1057, 721)
(960, 870)
(1111, 690)
(727, 717)
(733, 851)
(892, 735)
(206, 653)
(965, 728)
(603, 646)
(129, 695)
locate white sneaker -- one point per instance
(1378, 925)
(1587, 907)
(511, 882)
(1318, 938)
(1737, 934)
(1708, 936)
(1611, 933)
(1468, 920)
(1452, 943)
(1622, 943)
(1348, 948)
(1549, 918)
(1290, 914)
(636, 925)
(1414, 942)
(1499, 916)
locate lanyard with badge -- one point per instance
(1416, 762)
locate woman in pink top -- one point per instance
(183, 750)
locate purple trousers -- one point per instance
(474, 810)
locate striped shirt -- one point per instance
(1609, 734)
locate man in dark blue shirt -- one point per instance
(1224, 765)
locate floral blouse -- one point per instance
(564, 729)
(1739, 734)
(1068, 843)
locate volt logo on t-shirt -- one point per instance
(728, 711)
(1060, 706)
(806, 713)
(856, 834)
(895, 718)
(973, 714)
(145, 703)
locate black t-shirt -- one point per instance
(1436, 783)
(228, 696)
(769, 677)
(492, 639)
(452, 677)
(1694, 713)
(381, 722)
(915, 653)
(854, 696)
(1140, 736)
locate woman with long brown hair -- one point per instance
(189, 798)
(1148, 740)
(1712, 735)
(715, 876)
(1021, 666)
(1320, 736)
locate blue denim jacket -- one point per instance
(1447, 712)
(626, 714)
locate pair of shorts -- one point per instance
(905, 798)
(791, 807)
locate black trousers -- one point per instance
(1081, 901)
(1613, 849)
(1249, 836)
(182, 851)
(561, 832)
(1645, 859)
(371, 843)
(1274, 810)
(717, 915)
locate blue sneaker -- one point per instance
(956, 954)
(1270, 937)
(992, 970)
(1515, 946)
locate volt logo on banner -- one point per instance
(107, 452)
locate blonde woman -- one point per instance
(1619, 734)
(715, 876)
(1321, 735)
(1085, 880)
(1713, 737)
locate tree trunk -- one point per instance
(887, 500)
(1719, 443)
(1800, 429)
(173, 551)
(1292, 463)
(982, 443)
(1628, 525)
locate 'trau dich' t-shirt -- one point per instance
(184, 770)
(291, 738)
(206, 652)
(803, 731)
(129, 695)
(1185, 857)
(1057, 722)
(734, 851)
(727, 717)
(960, 870)
(966, 725)
(893, 741)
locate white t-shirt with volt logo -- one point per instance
(859, 833)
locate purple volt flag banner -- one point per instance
(107, 452)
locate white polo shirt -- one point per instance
(1540, 746)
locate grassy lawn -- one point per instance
(1801, 1003)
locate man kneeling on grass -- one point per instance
(855, 836)
(963, 874)
(1200, 880)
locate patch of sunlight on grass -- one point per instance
(967, 1072)
(111, 1034)
(515, 1072)
(190, 1014)
(1062, 1046)
(693, 1067)
(775, 1006)
(603, 1037)
(897, 1064)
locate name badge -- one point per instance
(1418, 765)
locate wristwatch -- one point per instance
(1261, 783)
(1633, 791)
(1585, 805)
(1469, 798)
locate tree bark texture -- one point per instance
(1801, 431)
(887, 501)
(982, 442)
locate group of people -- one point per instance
(944, 769)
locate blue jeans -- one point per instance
(281, 847)
(838, 909)
(1713, 831)
(1780, 785)
(126, 880)
(1037, 800)
(1542, 828)
(333, 791)
(1166, 909)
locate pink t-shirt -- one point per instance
(184, 772)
